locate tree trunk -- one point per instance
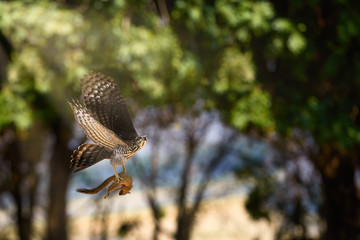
(18, 183)
(184, 227)
(341, 208)
(156, 213)
(184, 223)
(59, 177)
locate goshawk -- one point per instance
(105, 118)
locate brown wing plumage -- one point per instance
(86, 155)
(105, 119)
(103, 99)
(93, 129)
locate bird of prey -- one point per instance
(106, 121)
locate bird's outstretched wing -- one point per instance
(95, 130)
(86, 155)
(103, 99)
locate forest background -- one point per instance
(267, 91)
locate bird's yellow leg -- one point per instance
(123, 165)
(117, 177)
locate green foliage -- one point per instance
(235, 83)
(166, 71)
(158, 64)
(14, 110)
(315, 86)
(224, 32)
(235, 73)
(296, 42)
(52, 46)
(253, 109)
(46, 55)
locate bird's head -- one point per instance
(141, 141)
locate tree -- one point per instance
(184, 158)
(304, 55)
(32, 108)
(316, 91)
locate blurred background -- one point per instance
(251, 109)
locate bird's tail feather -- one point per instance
(86, 155)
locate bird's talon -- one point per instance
(118, 179)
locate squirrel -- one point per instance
(124, 185)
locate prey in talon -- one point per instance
(105, 118)
(124, 185)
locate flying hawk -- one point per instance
(105, 118)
